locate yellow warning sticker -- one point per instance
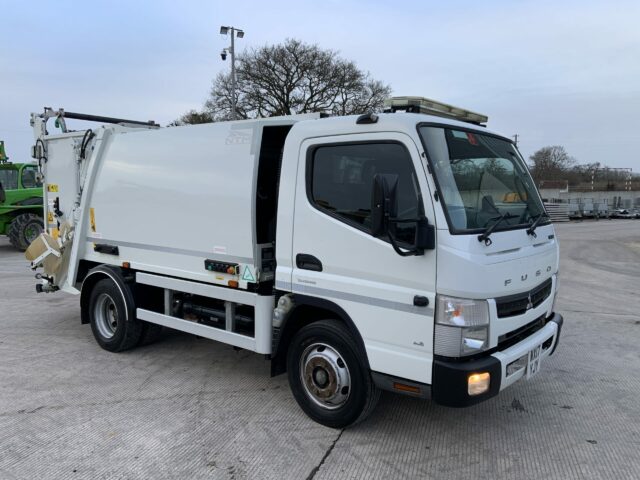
(50, 217)
(52, 187)
(92, 219)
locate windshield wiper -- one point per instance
(532, 228)
(484, 236)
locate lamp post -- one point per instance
(231, 49)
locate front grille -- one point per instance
(514, 336)
(517, 304)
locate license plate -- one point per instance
(533, 365)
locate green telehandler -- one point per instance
(20, 201)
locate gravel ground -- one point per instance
(191, 408)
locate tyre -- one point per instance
(328, 375)
(24, 229)
(151, 333)
(108, 318)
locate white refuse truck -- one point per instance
(406, 251)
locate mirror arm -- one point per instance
(403, 253)
(394, 244)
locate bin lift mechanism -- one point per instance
(38, 151)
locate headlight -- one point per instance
(462, 326)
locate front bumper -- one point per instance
(450, 379)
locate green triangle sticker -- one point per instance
(247, 275)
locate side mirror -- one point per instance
(384, 203)
(384, 210)
(3, 195)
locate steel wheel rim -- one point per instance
(325, 376)
(32, 232)
(105, 313)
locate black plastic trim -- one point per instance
(558, 320)
(450, 381)
(106, 248)
(521, 296)
(420, 301)
(304, 261)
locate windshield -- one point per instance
(9, 179)
(480, 178)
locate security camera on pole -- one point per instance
(231, 50)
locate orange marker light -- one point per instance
(126, 265)
(405, 388)
(232, 283)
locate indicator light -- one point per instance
(406, 388)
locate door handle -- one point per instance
(420, 301)
(308, 262)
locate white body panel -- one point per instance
(169, 199)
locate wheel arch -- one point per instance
(306, 311)
(116, 275)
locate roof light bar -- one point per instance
(432, 107)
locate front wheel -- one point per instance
(328, 375)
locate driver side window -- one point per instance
(341, 181)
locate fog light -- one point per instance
(478, 383)
(516, 365)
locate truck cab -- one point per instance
(459, 320)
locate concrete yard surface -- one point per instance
(190, 408)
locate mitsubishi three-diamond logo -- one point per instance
(530, 303)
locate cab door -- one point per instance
(336, 258)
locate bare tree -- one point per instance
(192, 117)
(550, 163)
(290, 78)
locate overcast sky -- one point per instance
(555, 72)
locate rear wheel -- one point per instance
(328, 375)
(107, 311)
(24, 229)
